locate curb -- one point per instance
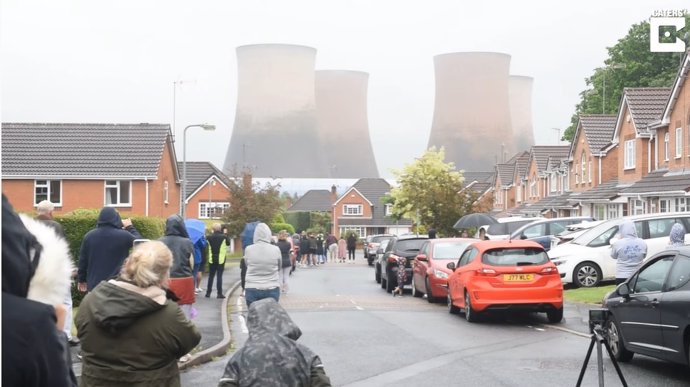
(219, 349)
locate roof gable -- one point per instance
(83, 150)
(372, 190)
(199, 173)
(505, 172)
(681, 78)
(313, 200)
(540, 155)
(645, 105)
(598, 131)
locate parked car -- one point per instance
(648, 313)
(404, 246)
(505, 276)
(505, 227)
(429, 268)
(586, 260)
(575, 230)
(371, 245)
(378, 259)
(544, 231)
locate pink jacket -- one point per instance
(342, 248)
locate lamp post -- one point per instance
(183, 207)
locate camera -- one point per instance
(597, 319)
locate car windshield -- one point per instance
(408, 245)
(515, 257)
(449, 250)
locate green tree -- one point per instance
(428, 192)
(249, 201)
(629, 64)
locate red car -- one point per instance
(505, 275)
(429, 268)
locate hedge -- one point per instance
(79, 222)
(276, 227)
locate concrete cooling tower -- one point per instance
(472, 109)
(275, 132)
(341, 113)
(521, 111)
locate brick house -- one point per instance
(592, 162)
(509, 182)
(208, 190)
(538, 171)
(128, 166)
(360, 210)
(315, 200)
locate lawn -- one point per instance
(588, 295)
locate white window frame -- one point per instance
(353, 210)
(679, 142)
(387, 209)
(46, 183)
(629, 155)
(612, 211)
(667, 140)
(117, 187)
(589, 170)
(553, 182)
(360, 231)
(582, 167)
(166, 191)
(533, 188)
(682, 204)
(519, 193)
(205, 206)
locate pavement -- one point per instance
(216, 338)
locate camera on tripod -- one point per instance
(597, 320)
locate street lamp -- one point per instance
(184, 163)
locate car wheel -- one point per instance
(452, 309)
(377, 274)
(470, 314)
(383, 282)
(370, 260)
(615, 341)
(415, 292)
(555, 316)
(587, 275)
(429, 296)
(389, 283)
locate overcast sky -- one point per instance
(116, 61)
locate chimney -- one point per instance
(334, 194)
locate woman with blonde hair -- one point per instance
(131, 333)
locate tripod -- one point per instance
(598, 338)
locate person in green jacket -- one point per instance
(217, 248)
(131, 333)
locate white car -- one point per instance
(505, 227)
(586, 260)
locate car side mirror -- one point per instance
(379, 251)
(451, 266)
(523, 236)
(623, 290)
(422, 257)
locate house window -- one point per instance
(667, 139)
(664, 205)
(582, 167)
(533, 187)
(499, 197)
(553, 182)
(360, 231)
(165, 192)
(387, 209)
(638, 207)
(612, 212)
(679, 142)
(629, 154)
(48, 190)
(353, 209)
(682, 204)
(519, 193)
(118, 193)
(589, 170)
(212, 210)
(600, 211)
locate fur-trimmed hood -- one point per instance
(51, 281)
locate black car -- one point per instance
(406, 246)
(650, 312)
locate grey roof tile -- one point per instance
(313, 200)
(506, 173)
(646, 104)
(479, 177)
(601, 193)
(522, 163)
(661, 181)
(200, 171)
(60, 149)
(598, 130)
(541, 154)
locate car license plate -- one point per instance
(518, 277)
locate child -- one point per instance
(342, 249)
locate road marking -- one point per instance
(243, 324)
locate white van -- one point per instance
(586, 260)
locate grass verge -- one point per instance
(588, 295)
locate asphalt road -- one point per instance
(366, 337)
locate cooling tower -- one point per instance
(521, 111)
(275, 133)
(341, 116)
(472, 109)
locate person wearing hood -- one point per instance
(181, 280)
(104, 248)
(677, 235)
(271, 355)
(131, 333)
(36, 270)
(628, 251)
(263, 261)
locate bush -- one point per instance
(276, 227)
(77, 223)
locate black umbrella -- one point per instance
(474, 220)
